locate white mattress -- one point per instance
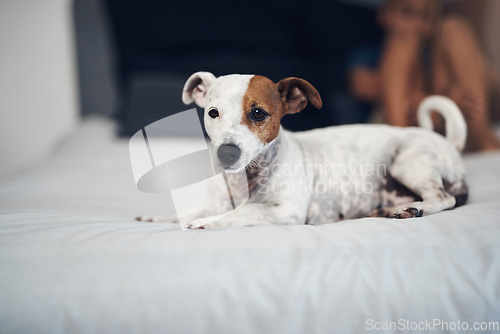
(74, 260)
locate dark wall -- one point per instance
(158, 44)
(96, 80)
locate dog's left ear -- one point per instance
(295, 93)
(195, 88)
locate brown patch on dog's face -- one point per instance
(262, 94)
(273, 100)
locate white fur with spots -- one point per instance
(322, 176)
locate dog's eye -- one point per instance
(258, 114)
(214, 113)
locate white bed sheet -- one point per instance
(73, 260)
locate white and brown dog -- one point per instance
(324, 175)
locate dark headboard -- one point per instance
(157, 44)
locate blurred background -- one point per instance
(128, 59)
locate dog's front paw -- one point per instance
(204, 224)
(156, 219)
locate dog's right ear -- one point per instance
(295, 93)
(195, 88)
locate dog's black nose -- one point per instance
(228, 154)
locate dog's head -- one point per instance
(243, 112)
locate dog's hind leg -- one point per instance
(423, 178)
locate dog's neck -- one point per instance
(261, 167)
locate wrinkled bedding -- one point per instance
(74, 260)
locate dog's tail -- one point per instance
(456, 130)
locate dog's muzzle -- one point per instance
(228, 154)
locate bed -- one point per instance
(74, 260)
